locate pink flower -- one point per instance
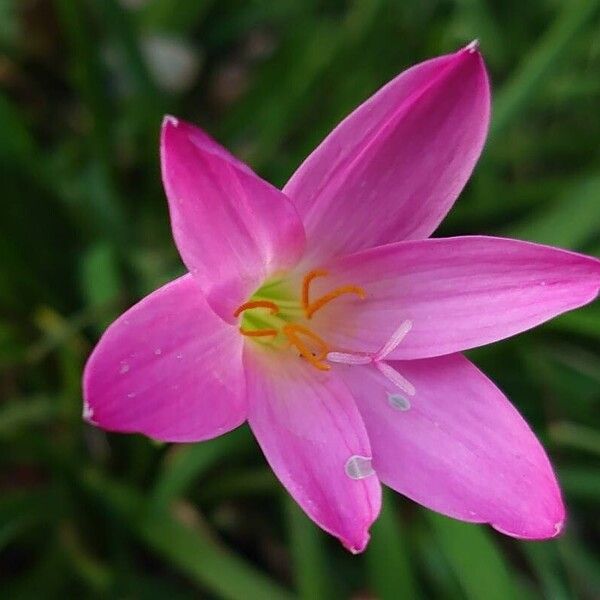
(324, 316)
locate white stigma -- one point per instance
(377, 359)
(392, 375)
(394, 341)
(349, 359)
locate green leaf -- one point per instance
(581, 483)
(545, 561)
(173, 16)
(539, 63)
(184, 464)
(389, 566)
(570, 222)
(475, 559)
(210, 565)
(310, 561)
(20, 414)
(576, 436)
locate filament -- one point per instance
(291, 332)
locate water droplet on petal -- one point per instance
(359, 467)
(124, 367)
(398, 401)
(158, 352)
(179, 356)
(131, 395)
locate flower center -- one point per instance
(278, 319)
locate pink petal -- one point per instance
(233, 229)
(458, 446)
(168, 368)
(457, 293)
(310, 432)
(394, 167)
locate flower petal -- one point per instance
(458, 293)
(393, 168)
(310, 430)
(458, 446)
(233, 229)
(168, 368)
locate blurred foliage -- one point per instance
(84, 233)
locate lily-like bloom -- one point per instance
(325, 317)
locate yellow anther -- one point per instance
(258, 332)
(310, 308)
(257, 304)
(306, 285)
(291, 332)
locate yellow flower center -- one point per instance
(281, 320)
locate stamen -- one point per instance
(306, 285)
(312, 308)
(291, 332)
(257, 304)
(258, 332)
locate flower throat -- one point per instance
(283, 314)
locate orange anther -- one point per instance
(258, 332)
(291, 332)
(257, 304)
(306, 284)
(312, 308)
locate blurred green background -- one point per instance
(84, 233)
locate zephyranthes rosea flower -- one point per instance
(325, 317)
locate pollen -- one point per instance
(292, 330)
(310, 308)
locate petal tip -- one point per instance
(170, 120)
(88, 413)
(357, 546)
(559, 528)
(545, 530)
(473, 47)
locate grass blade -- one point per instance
(538, 64)
(388, 564)
(309, 556)
(475, 559)
(208, 564)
